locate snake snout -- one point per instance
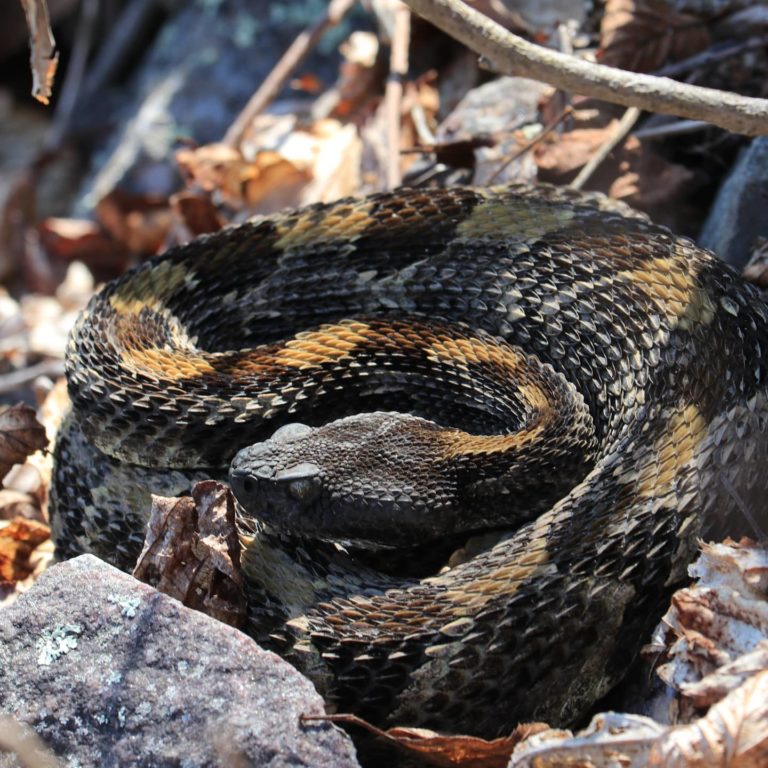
(266, 484)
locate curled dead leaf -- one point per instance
(20, 435)
(643, 35)
(713, 623)
(192, 552)
(215, 167)
(444, 750)
(197, 213)
(756, 270)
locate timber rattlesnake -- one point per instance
(520, 359)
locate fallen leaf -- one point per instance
(643, 35)
(139, 222)
(444, 750)
(192, 552)
(756, 271)
(215, 167)
(20, 435)
(566, 153)
(197, 213)
(18, 539)
(80, 240)
(734, 733)
(714, 636)
(15, 504)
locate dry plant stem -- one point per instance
(675, 128)
(398, 69)
(624, 126)
(9, 382)
(296, 53)
(511, 55)
(565, 112)
(711, 57)
(43, 56)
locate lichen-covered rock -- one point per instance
(110, 672)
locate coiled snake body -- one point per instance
(526, 361)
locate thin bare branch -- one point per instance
(619, 133)
(539, 137)
(511, 55)
(676, 128)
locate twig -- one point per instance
(675, 128)
(12, 381)
(43, 56)
(296, 53)
(393, 95)
(711, 56)
(567, 110)
(619, 133)
(511, 55)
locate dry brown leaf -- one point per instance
(566, 153)
(81, 240)
(274, 182)
(360, 77)
(139, 222)
(756, 270)
(643, 35)
(711, 624)
(20, 435)
(197, 212)
(216, 168)
(444, 750)
(734, 733)
(716, 685)
(632, 173)
(18, 539)
(192, 552)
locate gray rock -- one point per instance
(738, 217)
(497, 109)
(110, 672)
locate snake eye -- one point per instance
(305, 490)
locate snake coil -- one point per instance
(390, 371)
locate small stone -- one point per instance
(110, 672)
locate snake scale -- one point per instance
(387, 373)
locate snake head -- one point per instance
(374, 479)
